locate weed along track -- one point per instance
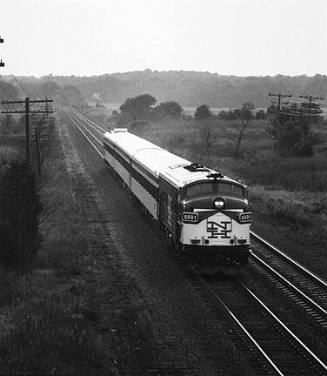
(128, 327)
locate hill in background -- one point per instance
(185, 87)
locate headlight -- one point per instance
(219, 203)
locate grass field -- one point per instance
(47, 317)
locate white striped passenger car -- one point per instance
(204, 213)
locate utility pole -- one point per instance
(2, 64)
(279, 95)
(27, 110)
(38, 153)
(27, 127)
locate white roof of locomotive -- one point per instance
(155, 159)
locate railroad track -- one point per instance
(90, 130)
(305, 289)
(273, 347)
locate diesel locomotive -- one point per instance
(204, 213)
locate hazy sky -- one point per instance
(90, 37)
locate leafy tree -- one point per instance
(8, 91)
(291, 131)
(229, 115)
(223, 115)
(19, 210)
(138, 107)
(245, 114)
(206, 141)
(202, 112)
(169, 109)
(49, 89)
(7, 124)
(260, 115)
(70, 95)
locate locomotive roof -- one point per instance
(158, 161)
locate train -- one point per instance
(203, 213)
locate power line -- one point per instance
(311, 98)
(25, 108)
(281, 112)
(303, 106)
(279, 95)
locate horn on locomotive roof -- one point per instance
(193, 167)
(215, 175)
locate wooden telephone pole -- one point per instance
(27, 110)
(279, 95)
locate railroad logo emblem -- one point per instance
(221, 229)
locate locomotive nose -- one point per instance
(219, 203)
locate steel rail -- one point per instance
(289, 259)
(289, 284)
(77, 113)
(72, 116)
(309, 354)
(90, 141)
(80, 120)
(243, 329)
(84, 118)
(294, 337)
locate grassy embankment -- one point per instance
(49, 323)
(288, 195)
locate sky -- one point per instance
(228, 37)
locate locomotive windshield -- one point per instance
(231, 189)
(224, 188)
(199, 188)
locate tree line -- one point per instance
(145, 107)
(188, 88)
(291, 133)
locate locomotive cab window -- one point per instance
(231, 189)
(223, 188)
(199, 188)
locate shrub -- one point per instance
(291, 173)
(202, 112)
(260, 115)
(168, 109)
(51, 336)
(303, 149)
(19, 210)
(290, 212)
(292, 136)
(66, 255)
(8, 288)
